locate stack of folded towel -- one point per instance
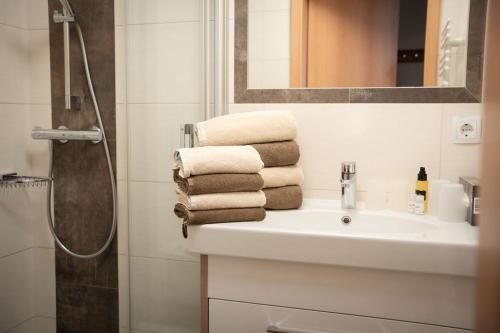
(272, 134)
(219, 184)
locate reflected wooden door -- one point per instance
(350, 43)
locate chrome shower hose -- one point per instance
(110, 168)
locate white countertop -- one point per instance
(374, 239)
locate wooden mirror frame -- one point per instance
(471, 93)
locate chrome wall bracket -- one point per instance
(61, 18)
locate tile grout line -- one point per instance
(24, 250)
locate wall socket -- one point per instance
(466, 129)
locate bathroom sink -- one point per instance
(322, 233)
(338, 222)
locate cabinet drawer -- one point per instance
(230, 317)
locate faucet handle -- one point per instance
(348, 167)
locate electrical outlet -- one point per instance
(466, 129)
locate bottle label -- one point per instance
(424, 193)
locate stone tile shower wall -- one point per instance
(86, 290)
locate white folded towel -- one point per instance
(282, 176)
(224, 159)
(247, 128)
(221, 200)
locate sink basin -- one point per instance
(372, 239)
(332, 222)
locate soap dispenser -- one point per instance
(422, 187)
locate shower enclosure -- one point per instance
(88, 239)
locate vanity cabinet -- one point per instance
(253, 295)
(230, 317)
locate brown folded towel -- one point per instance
(219, 215)
(219, 183)
(275, 154)
(287, 197)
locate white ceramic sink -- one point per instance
(316, 234)
(361, 223)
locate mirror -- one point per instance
(372, 50)
(363, 43)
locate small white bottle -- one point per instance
(419, 204)
(411, 203)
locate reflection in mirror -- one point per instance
(362, 43)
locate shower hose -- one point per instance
(110, 168)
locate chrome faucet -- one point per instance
(348, 183)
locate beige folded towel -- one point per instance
(247, 128)
(282, 176)
(221, 200)
(276, 154)
(219, 215)
(219, 183)
(208, 160)
(287, 197)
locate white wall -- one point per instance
(27, 272)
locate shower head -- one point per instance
(67, 7)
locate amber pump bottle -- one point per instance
(422, 187)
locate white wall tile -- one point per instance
(269, 74)
(43, 325)
(15, 221)
(154, 229)
(14, 65)
(165, 295)
(121, 142)
(162, 11)
(16, 303)
(36, 325)
(459, 159)
(120, 12)
(269, 35)
(376, 136)
(238, 108)
(321, 194)
(24, 327)
(39, 67)
(121, 64)
(44, 282)
(123, 230)
(15, 218)
(230, 57)
(266, 5)
(13, 13)
(37, 151)
(37, 14)
(123, 291)
(230, 9)
(163, 63)
(39, 223)
(154, 134)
